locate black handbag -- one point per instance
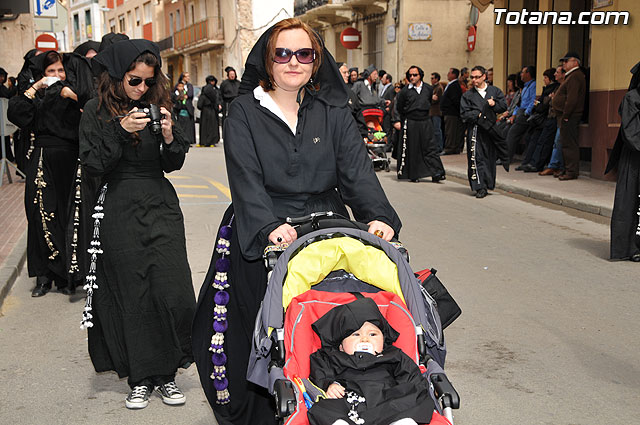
(448, 309)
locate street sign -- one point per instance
(45, 42)
(45, 8)
(471, 39)
(350, 38)
(420, 31)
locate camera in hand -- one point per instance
(153, 113)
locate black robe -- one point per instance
(209, 102)
(625, 221)
(390, 382)
(274, 173)
(144, 304)
(483, 145)
(54, 121)
(184, 113)
(418, 150)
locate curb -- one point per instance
(10, 269)
(545, 197)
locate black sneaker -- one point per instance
(170, 393)
(138, 398)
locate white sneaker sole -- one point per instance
(173, 401)
(136, 405)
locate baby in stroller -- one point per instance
(366, 378)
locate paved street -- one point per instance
(547, 336)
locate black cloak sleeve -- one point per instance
(173, 154)
(252, 204)
(101, 141)
(630, 120)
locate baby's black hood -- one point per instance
(342, 321)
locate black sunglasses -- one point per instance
(136, 81)
(414, 75)
(284, 55)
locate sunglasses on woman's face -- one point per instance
(284, 55)
(136, 81)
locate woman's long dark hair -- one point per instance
(114, 99)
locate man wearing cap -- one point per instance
(568, 104)
(365, 90)
(228, 90)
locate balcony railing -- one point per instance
(210, 29)
(300, 7)
(165, 43)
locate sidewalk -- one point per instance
(13, 232)
(584, 194)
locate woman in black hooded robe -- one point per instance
(52, 112)
(140, 298)
(276, 169)
(625, 218)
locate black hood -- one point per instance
(109, 39)
(84, 48)
(342, 321)
(118, 57)
(332, 91)
(635, 78)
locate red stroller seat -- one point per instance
(301, 341)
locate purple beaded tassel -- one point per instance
(220, 282)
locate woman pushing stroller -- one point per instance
(292, 148)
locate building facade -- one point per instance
(608, 51)
(396, 34)
(203, 37)
(85, 22)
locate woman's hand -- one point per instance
(397, 125)
(40, 84)
(283, 234)
(378, 226)
(134, 121)
(167, 132)
(68, 93)
(335, 390)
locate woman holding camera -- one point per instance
(140, 301)
(49, 107)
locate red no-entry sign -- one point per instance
(45, 42)
(350, 38)
(471, 38)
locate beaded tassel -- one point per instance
(73, 268)
(474, 144)
(45, 217)
(638, 229)
(94, 250)
(404, 149)
(221, 299)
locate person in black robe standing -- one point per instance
(484, 143)
(209, 103)
(140, 298)
(228, 91)
(418, 152)
(290, 144)
(357, 361)
(625, 218)
(50, 109)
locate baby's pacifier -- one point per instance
(365, 347)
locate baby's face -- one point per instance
(368, 338)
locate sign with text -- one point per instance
(45, 8)
(420, 31)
